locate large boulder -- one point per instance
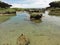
(36, 16)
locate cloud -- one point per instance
(33, 4)
(29, 3)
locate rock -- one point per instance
(22, 40)
(36, 17)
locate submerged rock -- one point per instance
(22, 40)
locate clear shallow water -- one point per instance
(47, 32)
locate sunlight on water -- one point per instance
(47, 32)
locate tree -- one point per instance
(4, 5)
(55, 4)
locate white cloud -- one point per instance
(34, 4)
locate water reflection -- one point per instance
(37, 21)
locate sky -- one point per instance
(28, 3)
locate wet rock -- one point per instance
(23, 40)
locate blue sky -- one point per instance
(28, 3)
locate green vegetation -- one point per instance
(18, 9)
(35, 10)
(55, 4)
(5, 9)
(2, 10)
(4, 18)
(55, 11)
(8, 11)
(34, 13)
(4, 5)
(54, 8)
